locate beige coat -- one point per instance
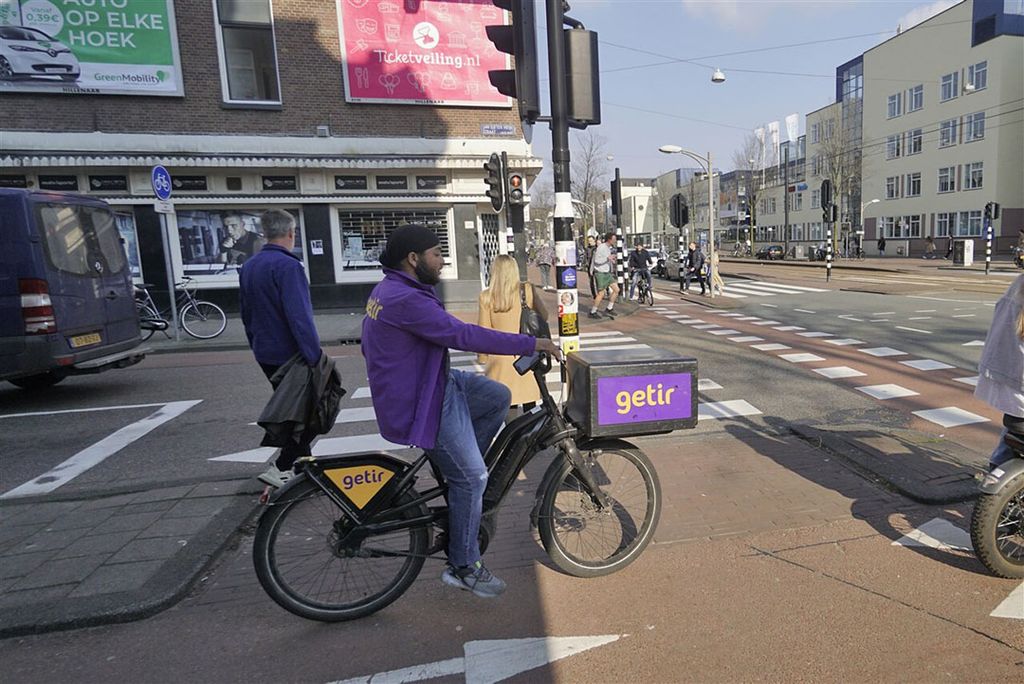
(523, 387)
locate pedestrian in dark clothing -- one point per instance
(881, 245)
(949, 247)
(693, 267)
(278, 317)
(588, 263)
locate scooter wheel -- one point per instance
(997, 530)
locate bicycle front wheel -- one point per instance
(311, 563)
(203, 320)
(586, 539)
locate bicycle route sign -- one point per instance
(161, 180)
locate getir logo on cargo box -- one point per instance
(360, 483)
(643, 398)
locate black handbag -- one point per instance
(530, 322)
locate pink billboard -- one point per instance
(432, 52)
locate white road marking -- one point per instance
(844, 342)
(676, 316)
(746, 338)
(772, 346)
(799, 288)
(361, 393)
(767, 322)
(937, 533)
(926, 311)
(878, 320)
(82, 410)
(951, 416)
(889, 391)
(926, 364)
(724, 331)
(725, 409)
(848, 317)
(491, 661)
(260, 455)
(356, 415)
(749, 291)
(749, 318)
(85, 459)
(703, 385)
(919, 318)
(771, 306)
(729, 314)
(963, 315)
(838, 372)
(1013, 606)
(788, 328)
(814, 334)
(622, 347)
(801, 358)
(691, 321)
(885, 313)
(972, 343)
(972, 381)
(805, 311)
(883, 351)
(706, 326)
(917, 330)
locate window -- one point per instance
(798, 201)
(248, 56)
(914, 140)
(888, 224)
(974, 126)
(972, 176)
(902, 226)
(830, 129)
(892, 187)
(78, 238)
(816, 165)
(1013, 6)
(815, 199)
(913, 185)
(895, 105)
(915, 98)
(912, 226)
(968, 223)
(893, 146)
(948, 86)
(815, 133)
(947, 179)
(814, 231)
(798, 231)
(771, 205)
(364, 232)
(947, 133)
(944, 222)
(977, 75)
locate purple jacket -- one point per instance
(406, 337)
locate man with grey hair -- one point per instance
(278, 317)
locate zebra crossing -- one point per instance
(744, 289)
(363, 419)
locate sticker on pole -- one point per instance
(161, 179)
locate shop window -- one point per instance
(217, 242)
(248, 55)
(364, 233)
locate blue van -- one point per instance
(67, 302)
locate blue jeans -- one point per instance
(645, 274)
(473, 412)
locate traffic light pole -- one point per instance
(566, 272)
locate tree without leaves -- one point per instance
(840, 161)
(590, 171)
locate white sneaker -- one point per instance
(275, 477)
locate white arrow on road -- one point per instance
(492, 661)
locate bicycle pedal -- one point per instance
(265, 496)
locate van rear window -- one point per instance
(77, 235)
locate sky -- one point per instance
(779, 58)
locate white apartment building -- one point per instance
(943, 132)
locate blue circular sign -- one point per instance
(569, 277)
(161, 183)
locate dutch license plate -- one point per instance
(84, 340)
(56, 70)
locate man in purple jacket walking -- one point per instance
(278, 317)
(420, 400)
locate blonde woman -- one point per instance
(716, 276)
(1001, 369)
(500, 307)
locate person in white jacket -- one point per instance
(1001, 369)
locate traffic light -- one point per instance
(830, 214)
(988, 211)
(515, 186)
(680, 212)
(495, 180)
(518, 39)
(991, 210)
(826, 193)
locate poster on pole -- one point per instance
(91, 47)
(425, 52)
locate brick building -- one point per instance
(312, 106)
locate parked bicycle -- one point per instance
(349, 534)
(199, 318)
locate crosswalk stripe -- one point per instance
(732, 289)
(725, 409)
(791, 287)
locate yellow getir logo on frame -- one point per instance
(360, 483)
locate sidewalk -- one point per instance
(124, 555)
(885, 264)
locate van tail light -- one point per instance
(36, 307)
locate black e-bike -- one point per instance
(349, 534)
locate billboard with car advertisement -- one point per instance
(430, 52)
(95, 47)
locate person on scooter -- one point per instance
(1001, 369)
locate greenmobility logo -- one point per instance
(158, 77)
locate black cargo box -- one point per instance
(631, 392)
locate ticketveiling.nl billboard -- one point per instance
(103, 47)
(432, 52)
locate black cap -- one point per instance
(413, 237)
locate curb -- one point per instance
(950, 479)
(168, 586)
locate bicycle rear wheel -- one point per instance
(304, 566)
(146, 312)
(203, 320)
(588, 540)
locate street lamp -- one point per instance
(706, 163)
(593, 212)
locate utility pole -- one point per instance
(785, 202)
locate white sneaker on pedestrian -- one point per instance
(275, 477)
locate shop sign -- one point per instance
(431, 182)
(350, 183)
(189, 183)
(64, 183)
(428, 53)
(497, 130)
(392, 182)
(279, 183)
(113, 47)
(13, 182)
(108, 183)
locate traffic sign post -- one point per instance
(161, 181)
